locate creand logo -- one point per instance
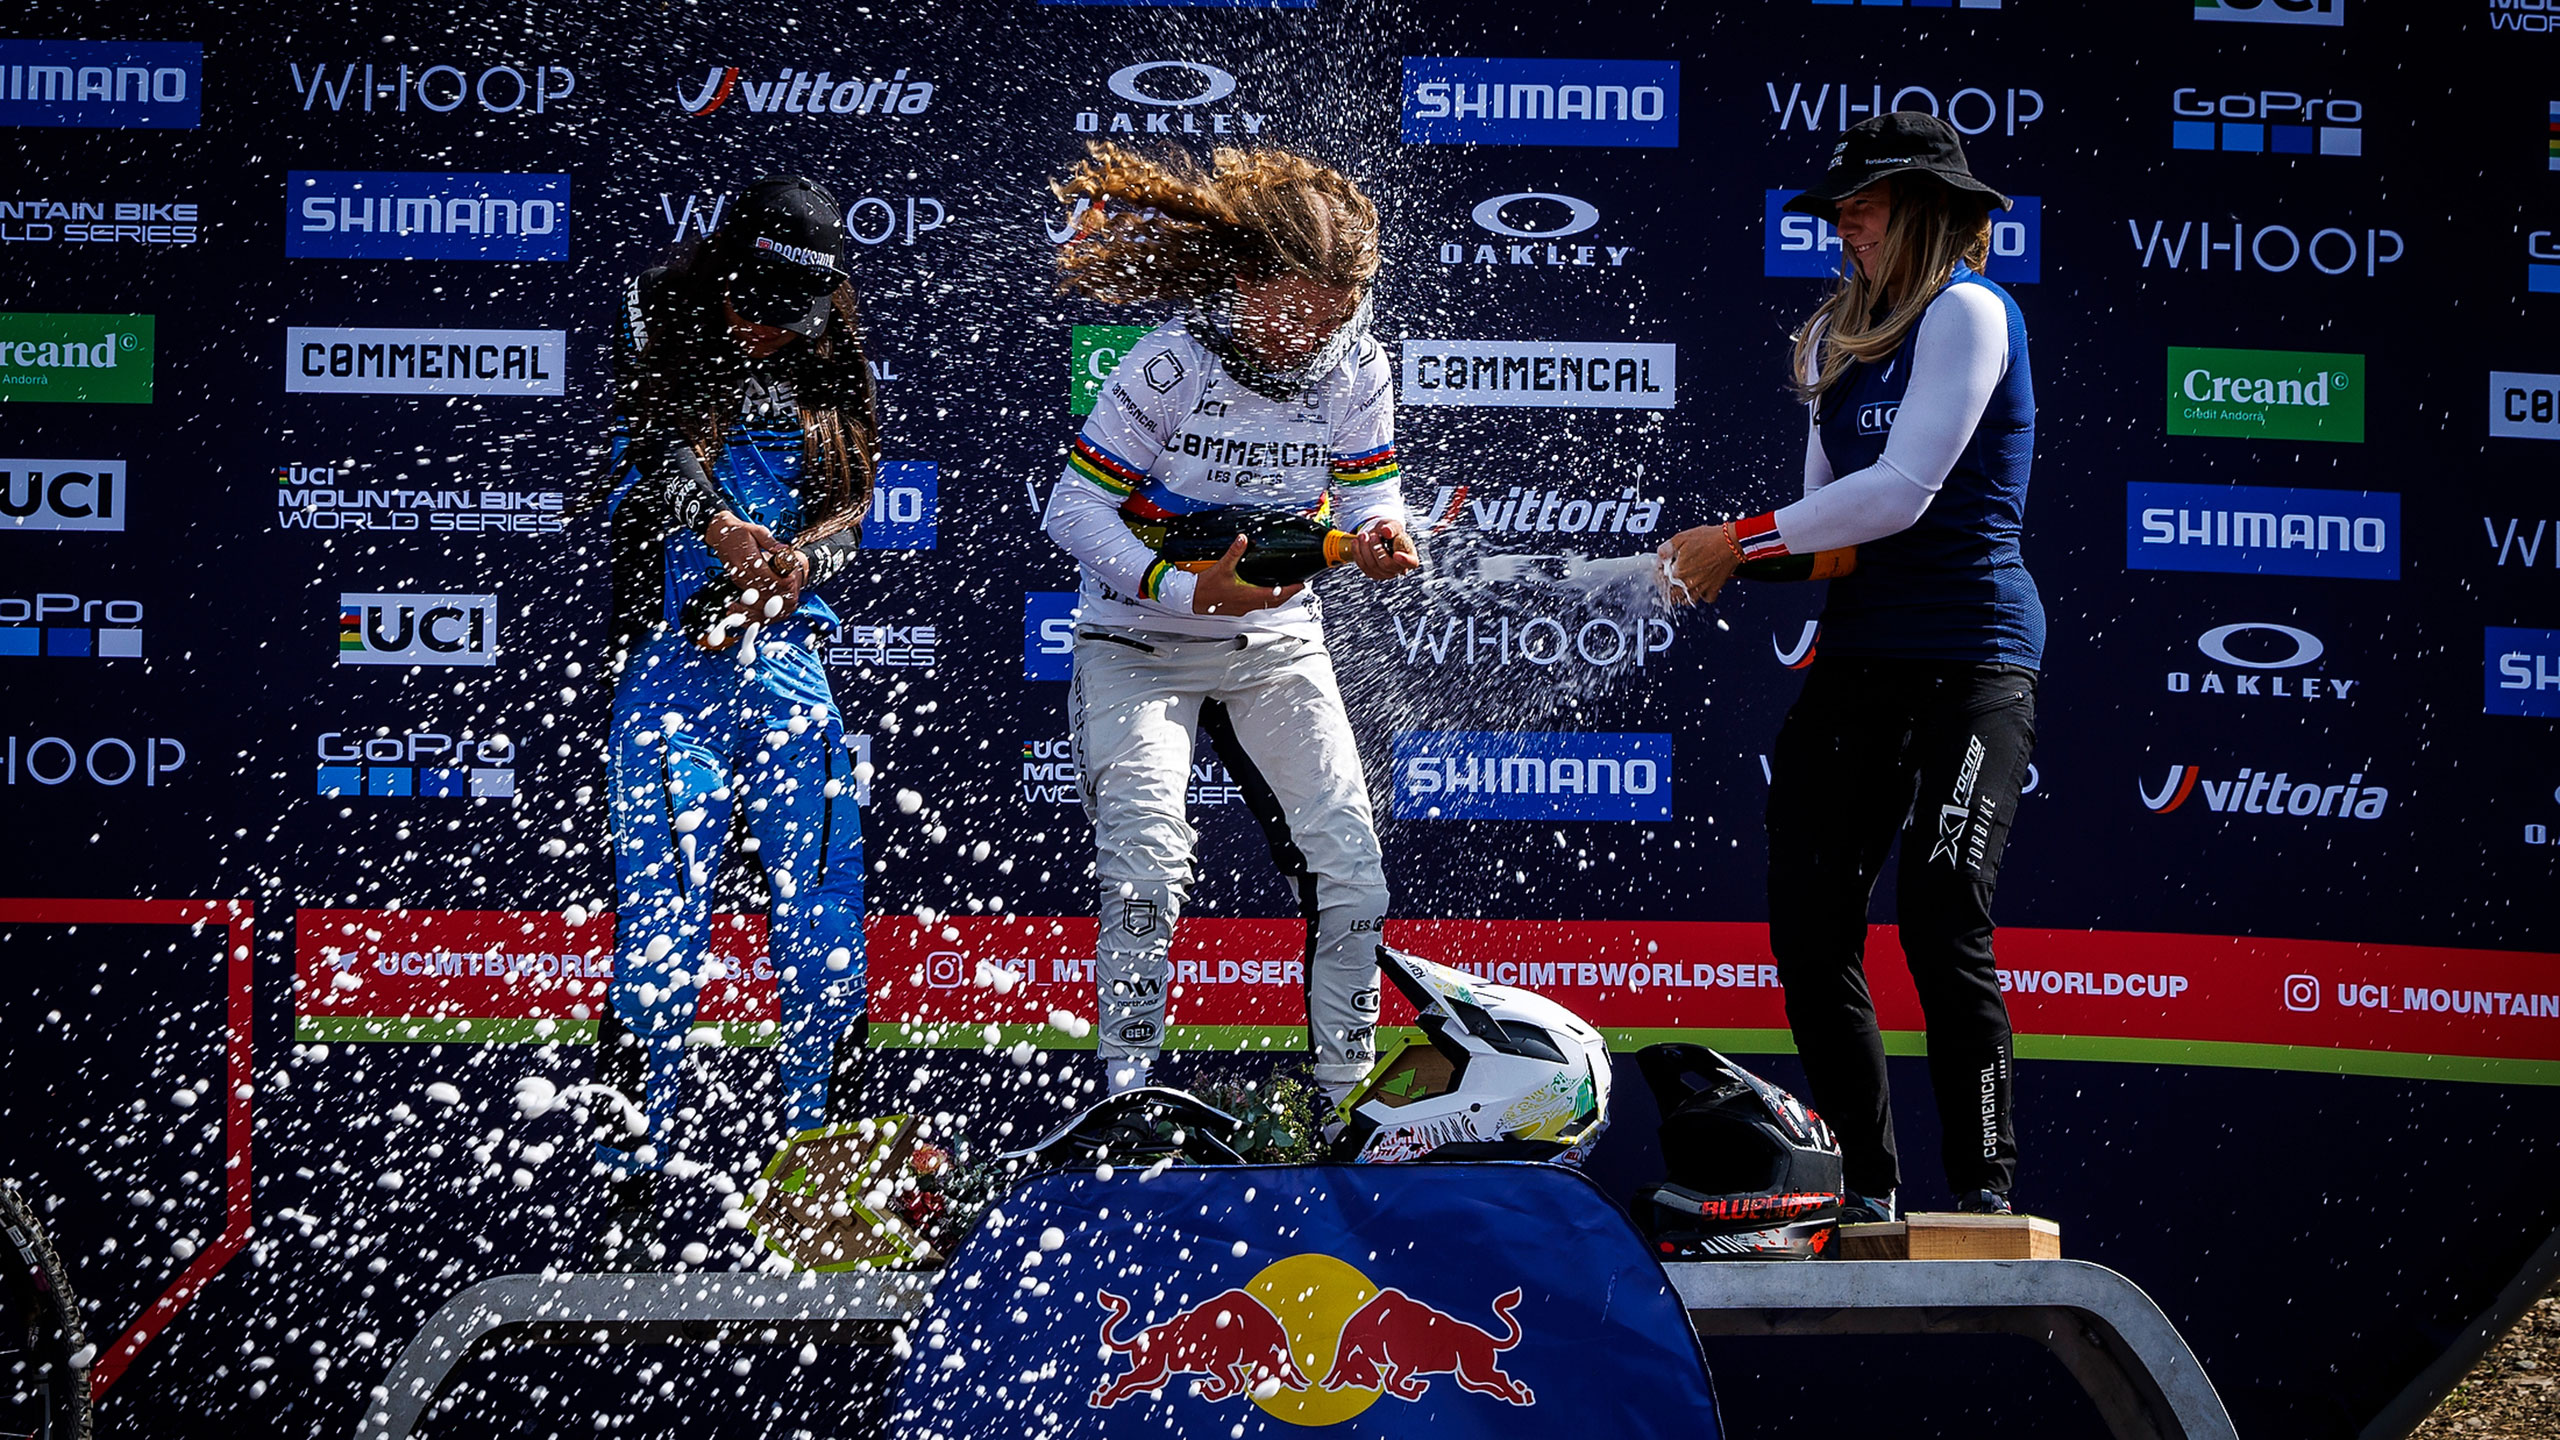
(96, 359)
(398, 215)
(2266, 394)
(801, 92)
(1175, 97)
(61, 494)
(1532, 227)
(102, 84)
(398, 629)
(2261, 658)
(1533, 775)
(2255, 792)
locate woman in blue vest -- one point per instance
(1918, 713)
(737, 485)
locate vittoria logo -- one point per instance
(801, 92)
(396, 629)
(1528, 510)
(2255, 792)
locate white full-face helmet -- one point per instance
(1503, 1075)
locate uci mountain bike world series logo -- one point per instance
(1312, 1341)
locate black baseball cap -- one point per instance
(1902, 142)
(784, 248)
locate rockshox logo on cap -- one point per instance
(798, 254)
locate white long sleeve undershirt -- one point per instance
(1958, 354)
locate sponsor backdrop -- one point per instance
(303, 343)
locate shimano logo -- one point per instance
(2523, 672)
(1174, 93)
(2260, 530)
(102, 84)
(1538, 775)
(1529, 223)
(1465, 101)
(61, 494)
(1806, 247)
(392, 215)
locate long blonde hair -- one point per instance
(1167, 229)
(1930, 229)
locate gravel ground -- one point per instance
(2514, 1392)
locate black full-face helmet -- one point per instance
(1754, 1175)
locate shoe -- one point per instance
(1857, 1209)
(1985, 1202)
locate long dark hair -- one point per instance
(689, 374)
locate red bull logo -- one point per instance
(1306, 1316)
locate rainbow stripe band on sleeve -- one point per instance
(1104, 468)
(1151, 586)
(1758, 537)
(1370, 469)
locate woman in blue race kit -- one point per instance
(1918, 715)
(745, 459)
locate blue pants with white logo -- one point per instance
(703, 743)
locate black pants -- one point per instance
(1937, 752)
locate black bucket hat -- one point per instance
(1902, 142)
(783, 248)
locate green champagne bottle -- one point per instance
(1282, 547)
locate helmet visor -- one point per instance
(1414, 1072)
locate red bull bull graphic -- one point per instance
(1465, 1301)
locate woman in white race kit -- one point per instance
(1267, 391)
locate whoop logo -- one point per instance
(417, 629)
(55, 760)
(1364, 1342)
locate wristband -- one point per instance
(828, 557)
(1757, 538)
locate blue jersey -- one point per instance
(1953, 586)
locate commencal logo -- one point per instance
(2266, 394)
(101, 359)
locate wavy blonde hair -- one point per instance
(1932, 227)
(1169, 229)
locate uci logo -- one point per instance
(417, 629)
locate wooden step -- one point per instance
(1933, 1236)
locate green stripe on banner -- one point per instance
(1286, 1039)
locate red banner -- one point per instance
(2202, 999)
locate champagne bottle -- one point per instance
(1820, 565)
(1282, 546)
